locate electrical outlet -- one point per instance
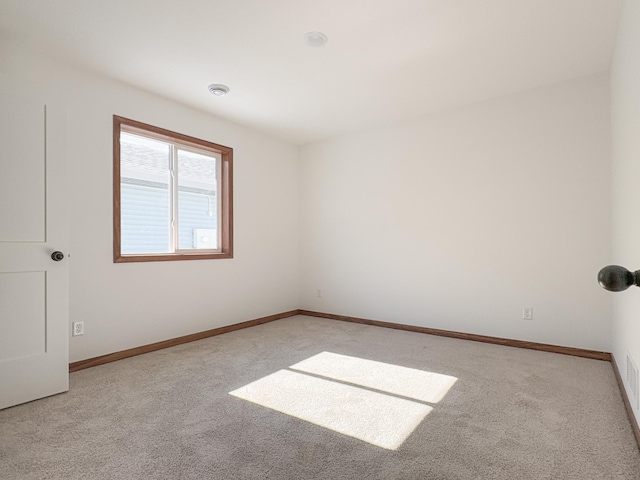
(527, 313)
(319, 293)
(78, 328)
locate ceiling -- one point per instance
(385, 61)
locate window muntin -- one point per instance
(172, 195)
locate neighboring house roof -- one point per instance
(148, 161)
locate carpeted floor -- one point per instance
(307, 398)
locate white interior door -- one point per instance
(34, 356)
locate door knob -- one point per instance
(616, 278)
(57, 256)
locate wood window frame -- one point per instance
(225, 197)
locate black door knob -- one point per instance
(57, 256)
(616, 278)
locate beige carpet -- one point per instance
(307, 398)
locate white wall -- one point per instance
(127, 305)
(458, 220)
(625, 117)
(453, 221)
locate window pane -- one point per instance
(197, 201)
(145, 192)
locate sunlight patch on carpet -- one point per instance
(382, 420)
(408, 382)
(353, 396)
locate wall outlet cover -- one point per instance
(78, 328)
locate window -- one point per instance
(172, 195)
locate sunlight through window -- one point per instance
(408, 382)
(352, 396)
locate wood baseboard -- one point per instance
(112, 357)
(627, 403)
(577, 352)
(132, 352)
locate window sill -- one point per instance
(167, 257)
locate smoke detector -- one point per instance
(218, 89)
(315, 39)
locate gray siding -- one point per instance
(145, 218)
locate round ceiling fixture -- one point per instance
(218, 89)
(315, 39)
